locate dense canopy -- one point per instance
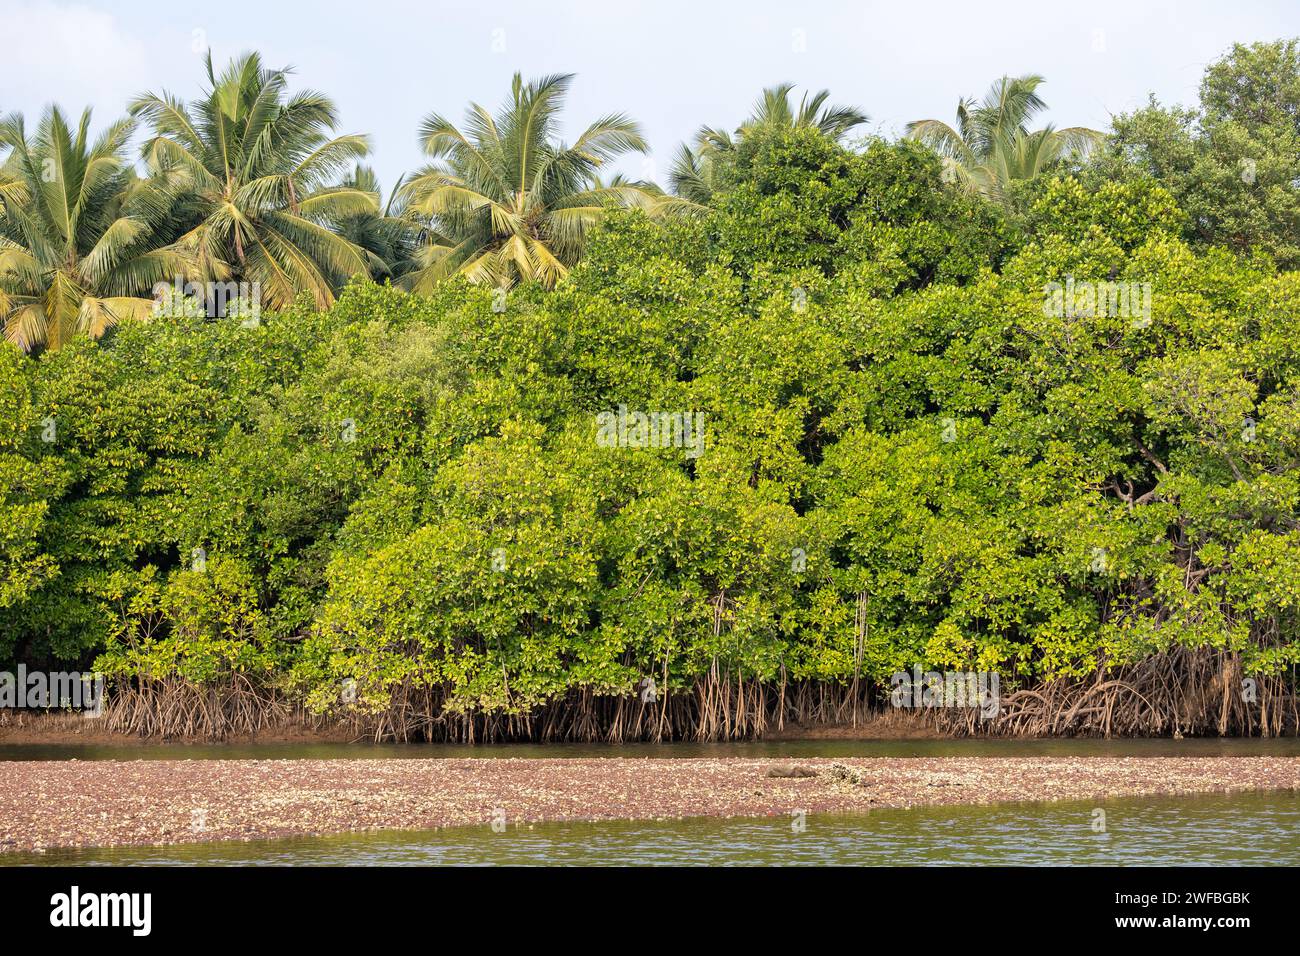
(1050, 433)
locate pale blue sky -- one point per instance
(672, 65)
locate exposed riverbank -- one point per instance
(57, 729)
(53, 804)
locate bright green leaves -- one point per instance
(911, 454)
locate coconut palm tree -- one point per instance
(694, 174)
(774, 108)
(80, 248)
(387, 235)
(259, 171)
(992, 145)
(504, 200)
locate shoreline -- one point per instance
(74, 804)
(73, 730)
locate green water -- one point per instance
(1260, 828)
(1210, 829)
(1162, 747)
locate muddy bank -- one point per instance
(878, 725)
(65, 729)
(73, 729)
(117, 803)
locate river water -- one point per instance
(1210, 829)
(1058, 747)
(1257, 828)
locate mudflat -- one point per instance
(71, 803)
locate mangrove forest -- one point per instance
(521, 447)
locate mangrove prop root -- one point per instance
(1179, 692)
(1192, 692)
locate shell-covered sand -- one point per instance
(55, 804)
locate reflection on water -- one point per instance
(1258, 828)
(1162, 747)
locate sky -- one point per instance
(671, 65)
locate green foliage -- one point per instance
(909, 457)
(254, 171)
(798, 201)
(81, 237)
(700, 170)
(992, 149)
(505, 200)
(1233, 164)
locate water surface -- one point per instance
(1055, 747)
(1216, 829)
